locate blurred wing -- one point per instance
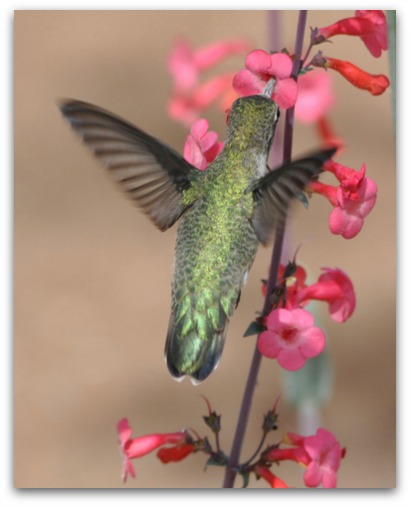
(154, 175)
(273, 192)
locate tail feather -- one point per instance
(196, 337)
(191, 356)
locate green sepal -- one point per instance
(213, 421)
(305, 70)
(255, 327)
(245, 477)
(270, 421)
(217, 459)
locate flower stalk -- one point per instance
(233, 461)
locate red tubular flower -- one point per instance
(266, 474)
(186, 107)
(298, 455)
(320, 454)
(185, 63)
(328, 136)
(352, 200)
(175, 453)
(334, 287)
(327, 190)
(370, 26)
(140, 446)
(325, 453)
(375, 84)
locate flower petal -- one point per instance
(313, 343)
(281, 66)
(268, 344)
(245, 83)
(285, 93)
(208, 56)
(291, 359)
(259, 62)
(124, 431)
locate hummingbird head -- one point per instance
(252, 121)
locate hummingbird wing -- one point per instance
(273, 192)
(154, 175)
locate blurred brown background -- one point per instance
(92, 275)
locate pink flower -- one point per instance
(291, 338)
(370, 26)
(186, 108)
(315, 99)
(266, 474)
(325, 453)
(185, 63)
(334, 287)
(140, 446)
(190, 96)
(260, 68)
(315, 96)
(201, 146)
(353, 199)
(320, 454)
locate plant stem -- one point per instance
(290, 113)
(244, 412)
(274, 44)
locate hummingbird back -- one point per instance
(215, 248)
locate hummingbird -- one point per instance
(224, 213)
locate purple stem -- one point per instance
(290, 113)
(274, 44)
(233, 462)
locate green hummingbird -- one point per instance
(225, 211)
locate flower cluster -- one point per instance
(290, 335)
(371, 27)
(288, 332)
(320, 454)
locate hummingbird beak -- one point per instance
(268, 90)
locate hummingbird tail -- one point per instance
(194, 352)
